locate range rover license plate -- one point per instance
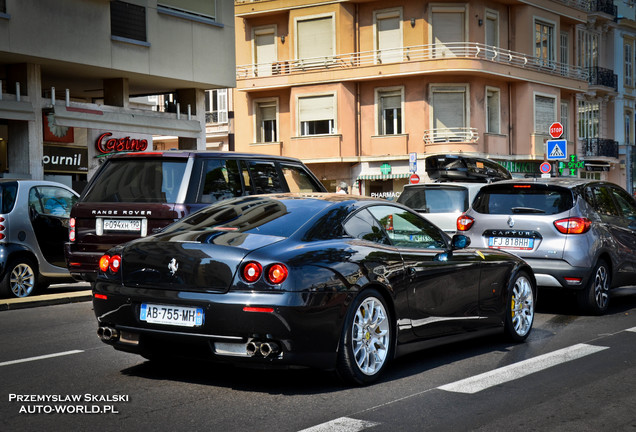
(522, 243)
(122, 225)
(171, 315)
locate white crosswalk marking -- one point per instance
(342, 424)
(521, 369)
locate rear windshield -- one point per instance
(8, 192)
(523, 199)
(138, 180)
(435, 199)
(254, 215)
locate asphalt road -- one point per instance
(575, 373)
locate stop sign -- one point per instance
(556, 130)
(414, 179)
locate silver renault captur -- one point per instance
(575, 234)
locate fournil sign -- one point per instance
(65, 159)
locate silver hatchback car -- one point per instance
(34, 224)
(575, 234)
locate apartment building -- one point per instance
(79, 79)
(355, 87)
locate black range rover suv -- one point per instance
(137, 194)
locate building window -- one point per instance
(589, 119)
(629, 138)
(587, 48)
(493, 111)
(388, 36)
(128, 21)
(492, 29)
(316, 115)
(448, 28)
(266, 124)
(193, 8)
(565, 111)
(565, 52)
(544, 113)
(389, 108)
(216, 106)
(264, 50)
(3, 6)
(449, 112)
(315, 38)
(544, 43)
(628, 62)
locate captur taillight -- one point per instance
(464, 222)
(573, 225)
(2, 228)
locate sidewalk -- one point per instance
(55, 294)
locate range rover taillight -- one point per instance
(2, 228)
(71, 229)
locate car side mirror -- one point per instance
(460, 241)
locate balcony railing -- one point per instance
(603, 77)
(605, 6)
(600, 147)
(456, 50)
(449, 135)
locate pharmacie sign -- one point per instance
(65, 159)
(107, 144)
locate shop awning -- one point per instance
(383, 176)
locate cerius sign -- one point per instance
(65, 159)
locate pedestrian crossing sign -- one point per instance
(557, 149)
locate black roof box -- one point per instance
(462, 168)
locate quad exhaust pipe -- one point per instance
(256, 348)
(108, 334)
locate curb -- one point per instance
(45, 300)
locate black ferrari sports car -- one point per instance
(330, 281)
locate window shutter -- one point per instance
(389, 39)
(315, 38)
(265, 55)
(448, 109)
(315, 108)
(544, 113)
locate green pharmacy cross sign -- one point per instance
(385, 169)
(573, 165)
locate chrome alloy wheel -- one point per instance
(22, 280)
(601, 287)
(522, 306)
(370, 336)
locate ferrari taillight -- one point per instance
(112, 263)
(252, 271)
(274, 274)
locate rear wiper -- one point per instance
(526, 210)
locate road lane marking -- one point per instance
(342, 424)
(633, 330)
(518, 370)
(42, 357)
